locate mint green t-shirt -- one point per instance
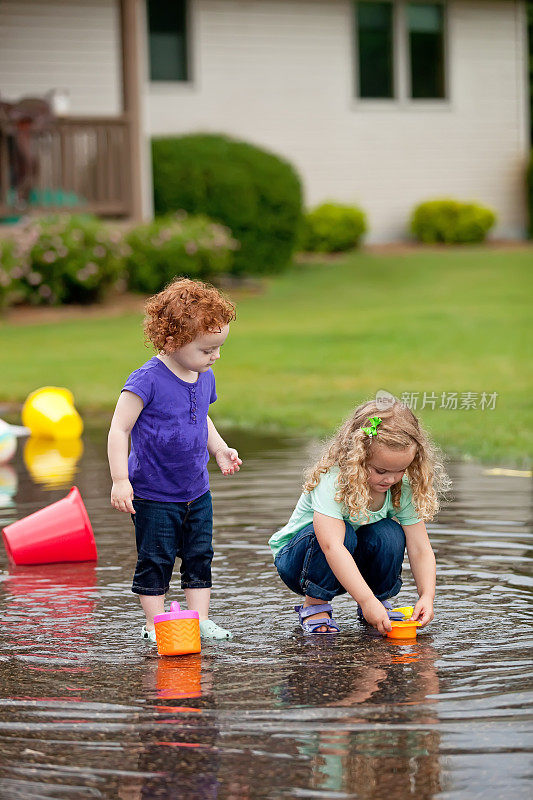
(322, 499)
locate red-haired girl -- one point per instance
(164, 482)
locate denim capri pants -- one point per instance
(377, 549)
(164, 531)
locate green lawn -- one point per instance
(323, 337)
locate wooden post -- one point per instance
(131, 94)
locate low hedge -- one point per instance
(60, 258)
(256, 194)
(332, 228)
(177, 245)
(451, 222)
(66, 258)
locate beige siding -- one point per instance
(279, 73)
(65, 44)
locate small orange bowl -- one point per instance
(403, 629)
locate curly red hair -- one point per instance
(184, 310)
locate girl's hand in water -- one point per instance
(228, 460)
(122, 496)
(423, 611)
(375, 614)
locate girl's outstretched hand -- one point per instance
(375, 614)
(423, 611)
(228, 460)
(122, 496)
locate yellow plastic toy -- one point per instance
(49, 413)
(407, 611)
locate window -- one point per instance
(425, 24)
(167, 36)
(400, 49)
(375, 49)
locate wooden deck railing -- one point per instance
(82, 164)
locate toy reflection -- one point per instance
(177, 755)
(50, 604)
(8, 487)
(52, 464)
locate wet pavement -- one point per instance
(89, 711)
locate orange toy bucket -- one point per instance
(178, 632)
(403, 629)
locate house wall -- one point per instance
(62, 44)
(280, 73)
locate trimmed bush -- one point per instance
(332, 228)
(257, 195)
(451, 222)
(11, 288)
(60, 259)
(178, 245)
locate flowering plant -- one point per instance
(60, 258)
(179, 244)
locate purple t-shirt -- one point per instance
(168, 457)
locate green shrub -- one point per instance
(177, 245)
(61, 259)
(257, 195)
(451, 222)
(530, 194)
(332, 228)
(12, 289)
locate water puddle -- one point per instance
(89, 711)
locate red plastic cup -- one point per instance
(59, 532)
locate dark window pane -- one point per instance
(167, 31)
(426, 49)
(375, 49)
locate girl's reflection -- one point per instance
(386, 747)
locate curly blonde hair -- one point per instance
(182, 311)
(351, 448)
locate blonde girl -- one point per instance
(365, 500)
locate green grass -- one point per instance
(324, 337)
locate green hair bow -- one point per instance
(374, 422)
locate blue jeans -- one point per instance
(377, 549)
(166, 530)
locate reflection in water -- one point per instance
(52, 463)
(179, 678)
(8, 485)
(356, 758)
(89, 711)
(50, 603)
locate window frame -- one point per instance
(401, 61)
